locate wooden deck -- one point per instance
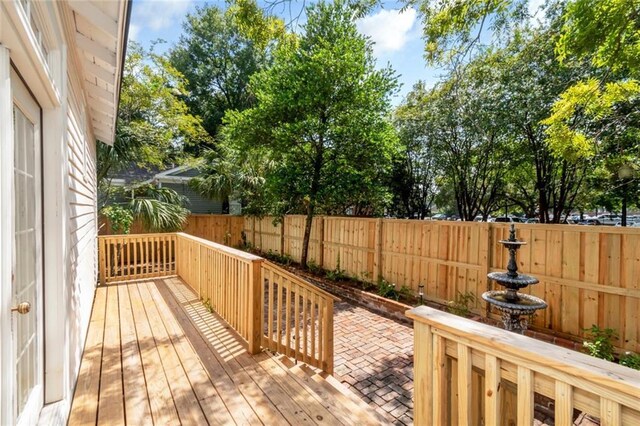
(155, 355)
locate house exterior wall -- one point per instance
(196, 203)
(57, 81)
(81, 221)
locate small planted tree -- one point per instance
(320, 115)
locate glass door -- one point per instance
(27, 315)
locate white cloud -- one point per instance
(134, 31)
(390, 30)
(159, 14)
(535, 6)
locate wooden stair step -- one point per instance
(337, 389)
(357, 410)
(344, 412)
(303, 395)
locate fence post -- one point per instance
(282, 226)
(255, 306)
(377, 259)
(486, 268)
(321, 242)
(253, 231)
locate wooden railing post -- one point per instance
(423, 373)
(328, 337)
(103, 263)
(255, 307)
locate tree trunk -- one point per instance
(307, 235)
(315, 187)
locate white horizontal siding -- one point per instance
(82, 227)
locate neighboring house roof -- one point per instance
(139, 175)
(133, 174)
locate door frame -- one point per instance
(24, 100)
(6, 235)
(10, 96)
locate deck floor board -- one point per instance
(156, 355)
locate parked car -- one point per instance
(507, 219)
(439, 216)
(533, 220)
(629, 223)
(608, 218)
(590, 221)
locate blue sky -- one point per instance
(397, 36)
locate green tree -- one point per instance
(152, 128)
(153, 123)
(604, 32)
(217, 56)
(413, 182)
(530, 82)
(320, 117)
(461, 122)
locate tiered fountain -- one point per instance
(515, 308)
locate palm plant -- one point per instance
(226, 173)
(159, 209)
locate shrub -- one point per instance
(337, 274)
(631, 360)
(461, 304)
(599, 342)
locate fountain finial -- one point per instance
(512, 233)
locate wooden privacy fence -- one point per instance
(220, 228)
(298, 318)
(588, 275)
(467, 372)
(125, 257)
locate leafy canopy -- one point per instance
(320, 118)
(153, 123)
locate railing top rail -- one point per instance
(560, 363)
(248, 257)
(294, 277)
(148, 235)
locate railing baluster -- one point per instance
(491, 387)
(525, 396)
(610, 412)
(564, 404)
(440, 389)
(464, 385)
(296, 325)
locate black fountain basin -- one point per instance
(520, 281)
(525, 305)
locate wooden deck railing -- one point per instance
(127, 257)
(268, 306)
(227, 280)
(471, 373)
(298, 318)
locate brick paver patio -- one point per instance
(374, 357)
